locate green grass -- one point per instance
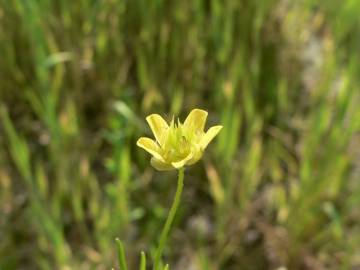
(279, 187)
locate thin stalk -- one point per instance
(170, 218)
(121, 255)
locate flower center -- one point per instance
(178, 142)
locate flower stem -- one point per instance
(170, 218)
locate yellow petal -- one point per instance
(209, 135)
(196, 120)
(181, 163)
(195, 158)
(161, 165)
(150, 146)
(158, 126)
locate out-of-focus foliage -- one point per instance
(279, 187)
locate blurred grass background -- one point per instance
(280, 185)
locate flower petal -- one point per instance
(161, 165)
(158, 126)
(196, 120)
(209, 135)
(182, 163)
(150, 146)
(196, 157)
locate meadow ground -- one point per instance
(279, 186)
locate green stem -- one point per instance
(170, 218)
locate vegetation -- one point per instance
(278, 187)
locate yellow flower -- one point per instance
(177, 144)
